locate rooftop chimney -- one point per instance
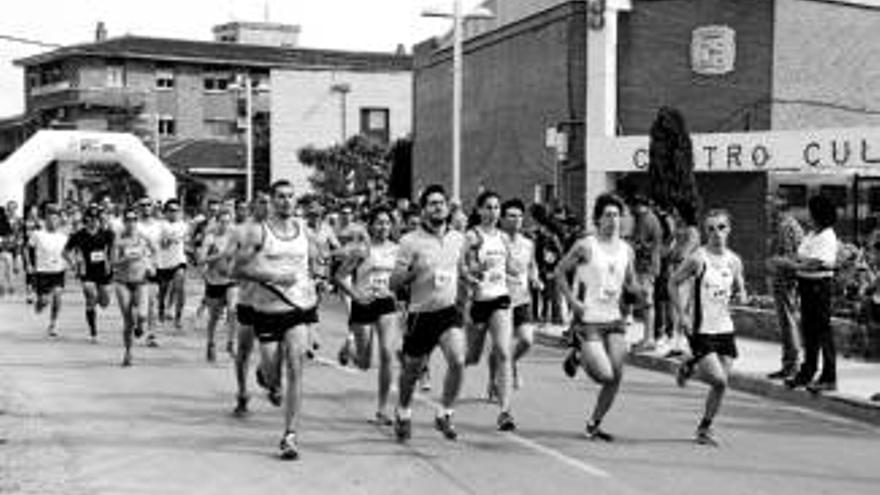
(100, 32)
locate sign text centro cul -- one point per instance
(751, 152)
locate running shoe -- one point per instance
(230, 349)
(93, 339)
(126, 360)
(570, 364)
(288, 447)
(52, 331)
(594, 432)
(211, 353)
(383, 419)
(443, 424)
(425, 380)
(506, 422)
(705, 436)
(241, 407)
(273, 394)
(151, 341)
(684, 373)
(402, 428)
(820, 386)
(138, 331)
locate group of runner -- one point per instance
(444, 283)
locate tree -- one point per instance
(671, 162)
(343, 171)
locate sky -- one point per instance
(371, 25)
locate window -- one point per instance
(795, 194)
(374, 123)
(164, 78)
(115, 76)
(221, 128)
(216, 81)
(167, 126)
(836, 194)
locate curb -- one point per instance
(836, 403)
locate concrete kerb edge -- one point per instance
(835, 403)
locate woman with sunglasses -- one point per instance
(717, 275)
(132, 267)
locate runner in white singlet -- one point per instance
(132, 267)
(486, 267)
(366, 277)
(717, 275)
(216, 256)
(151, 229)
(603, 266)
(245, 311)
(171, 262)
(279, 258)
(523, 277)
(47, 260)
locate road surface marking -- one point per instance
(512, 437)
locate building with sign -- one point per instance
(188, 101)
(781, 93)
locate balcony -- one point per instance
(116, 98)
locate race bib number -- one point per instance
(549, 257)
(380, 281)
(97, 256)
(443, 279)
(719, 294)
(496, 278)
(609, 294)
(132, 251)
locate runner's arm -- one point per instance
(688, 269)
(579, 253)
(342, 279)
(404, 267)
(739, 283)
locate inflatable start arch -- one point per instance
(84, 146)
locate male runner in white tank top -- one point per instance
(486, 267)
(279, 254)
(523, 277)
(603, 266)
(151, 229)
(718, 277)
(171, 262)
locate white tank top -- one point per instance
(522, 252)
(714, 287)
(245, 287)
(598, 284)
(285, 255)
(373, 275)
(49, 249)
(172, 245)
(491, 252)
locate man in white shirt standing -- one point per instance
(171, 261)
(48, 264)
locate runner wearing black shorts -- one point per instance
(93, 246)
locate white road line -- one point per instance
(512, 437)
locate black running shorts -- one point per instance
(522, 314)
(596, 331)
(722, 344)
(271, 327)
(217, 293)
(245, 315)
(46, 282)
(166, 275)
(481, 311)
(367, 314)
(423, 330)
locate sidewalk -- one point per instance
(857, 381)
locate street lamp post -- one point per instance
(458, 17)
(245, 82)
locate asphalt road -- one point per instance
(72, 421)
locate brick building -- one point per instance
(559, 95)
(186, 99)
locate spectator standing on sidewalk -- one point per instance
(647, 239)
(548, 252)
(814, 266)
(787, 236)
